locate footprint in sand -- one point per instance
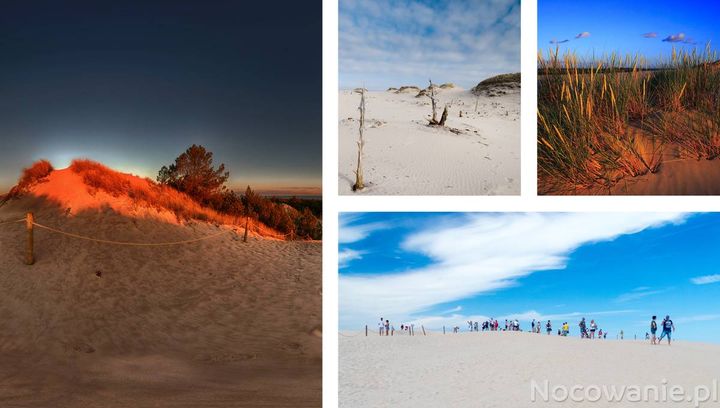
(81, 347)
(294, 348)
(230, 357)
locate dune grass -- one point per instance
(145, 191)
(602, 120)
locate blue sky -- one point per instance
(441, 269)
(406, 42)
(627, 27)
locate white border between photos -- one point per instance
(330, 204)
(528, 201)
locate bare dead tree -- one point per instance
(359, 182)
(443, 118)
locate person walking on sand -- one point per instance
(583, 329)
(653, 330)
(668, 327)
(593, 328)
(381, 326)
(548, 327)
(600, 333)
(387, 327)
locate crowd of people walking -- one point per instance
(587, 331)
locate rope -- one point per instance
(105, 241)
(11, 222)
(347, 335)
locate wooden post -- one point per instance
(366, 330)
(247, 221)
(423, 327)
(359, 181)
(29, 258)
(443, 329)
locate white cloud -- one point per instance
(345, 256)
(707, 279)
(481, 253)
(351, 228)
(650, 35)
(453, 310)
(406, 42)
(584, 34)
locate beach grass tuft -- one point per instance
(601, 120)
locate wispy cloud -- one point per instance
(638, 293)
(679, 37)
(481, 253)
(353, 229)
(408, 41)
(705, 280)
(698, 318)
(584, 34)
(345, 256)
(650, 35)
(553, 41)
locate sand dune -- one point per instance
(403, 156)
(209, 324)
(676, 177)
(495, 369)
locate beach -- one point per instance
(496, 369)
(211, 323)
(405, 156)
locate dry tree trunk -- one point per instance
(359, 182)
(444, 116)
(434, 102)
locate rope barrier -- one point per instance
(356, 335)
(11, 222)
(105, 241)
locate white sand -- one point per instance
(404, 156)
(495, 369)
(217, 323)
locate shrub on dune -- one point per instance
(37, 173)
(34, 174)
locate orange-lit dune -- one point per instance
(217, 322)
(87, 186)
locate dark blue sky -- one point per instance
(132, 84)
(617, 268)
(620, 26)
